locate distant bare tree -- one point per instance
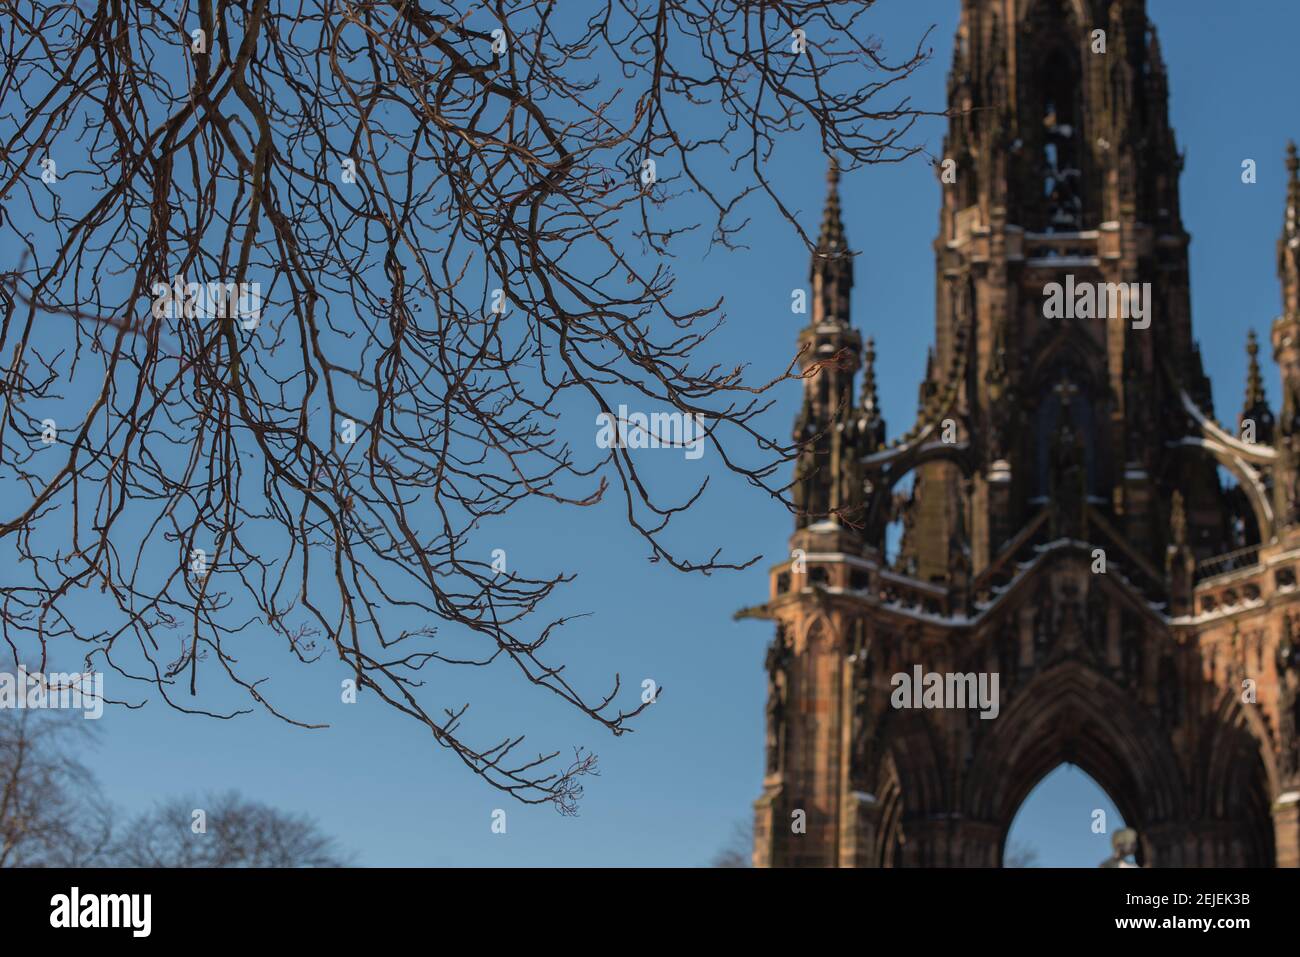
(53, 814)
(1019, 854)
(739, 848)
(237, 832)
(51, 811)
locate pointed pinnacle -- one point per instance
(870, 400)
(832, 231)
(1254, 381)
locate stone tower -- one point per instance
(1064, 536)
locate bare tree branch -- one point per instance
(453, 242)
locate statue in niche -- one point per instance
(850, 493)
(1131, 650)
(1098, 622)
(1009, 653)
(1044, 625)
(1288, 676)
(778, 659)
(1169, 694)
(1289, 730)
(1178, 520)
(862, 675)
(1072, 622)
(1067, 480)
(1293, 496)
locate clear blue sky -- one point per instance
(670, 793)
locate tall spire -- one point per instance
(1255, 409)
(872, 423)
(870, 401)
(832, 264)
(831, 237)
(1292, 191)
(1288, 247)
(1254, 382)
(825, 477)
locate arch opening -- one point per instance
(1066, 820)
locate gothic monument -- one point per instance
(1063, 523)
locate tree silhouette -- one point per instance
(53, 814)
(302, 297)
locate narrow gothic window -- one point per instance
(1064, 435)
(1062, 177)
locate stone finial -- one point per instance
(831, 237)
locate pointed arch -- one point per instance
(1074, 713)
(1235, 779)
(904, 772)
(1248, 480)
(817, 636)
(1068, 342)
(1086, 846)
(890, 835)
(911, 750)
(1068, 382)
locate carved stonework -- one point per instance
(1064, 526)
(778, 660)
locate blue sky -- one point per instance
(670, 793)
